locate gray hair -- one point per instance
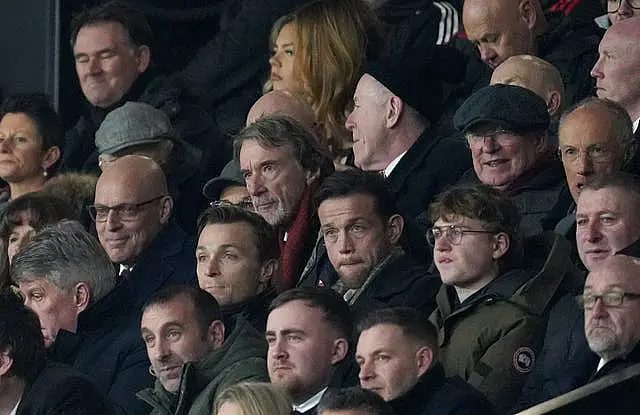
(65, 254)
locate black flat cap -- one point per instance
(229, 176)
(513, 107)
(417, 76)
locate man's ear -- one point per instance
(501, 244)
(268, 271)
(6, 363)
(215, 334)
(553, 103)
(340, 350)
(311, 176)
(424, 360)
(395, 226)
(82, 296)
(394, 110)
(143, 56)
(167, 208)
(528, 13)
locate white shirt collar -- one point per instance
(310, 403)
(635, 125)
(15, 408)
(601, 363)
(392, 165)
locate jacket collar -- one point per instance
(414, 401)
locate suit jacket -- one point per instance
(616, 365)
(432, 163)
(108, 347)
(436, 395)
(59, 390)
(169, 260)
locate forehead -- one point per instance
(350, 207)
(368, 87)
(116, 186)
(587, 125)
(296, 315)
(98, 36)
(486, 16)
(239, 234)
(18, 121)
(612, 199)
(41, 284)
(387, 336)
(460, 220)
(178, 310)
(287, 33)
(252, 151)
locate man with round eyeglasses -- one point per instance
(611, 302)
(134, 222)
(506, 131)
(618, 10)
(491, 339)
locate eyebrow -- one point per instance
(225, 246)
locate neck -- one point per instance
(470, 289)
(10, 393)
(401, 139)
(27, 186)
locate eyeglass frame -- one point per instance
(93, 213)
(448, 230)
(247, 205)
(569, 159)
(619, 4)
(474, 139)
(582, 299)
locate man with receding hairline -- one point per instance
(132, 212)
(617, 71)
(284, 102)
(504, 28)
(535, 74)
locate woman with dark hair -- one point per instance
(30, 142)
(22, 218)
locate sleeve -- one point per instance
(502, 370)
(133, 376)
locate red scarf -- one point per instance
(291, 250)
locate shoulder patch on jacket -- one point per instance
(523, 359)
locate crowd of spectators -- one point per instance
(421, 208)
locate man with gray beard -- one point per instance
(611, 302)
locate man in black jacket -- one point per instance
(112, 50)
(611, 302)
(500, 29)
(398, 357)
(362, 230)
(68, 280)
(29, 385)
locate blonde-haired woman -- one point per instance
(320, 50)
(253, 398)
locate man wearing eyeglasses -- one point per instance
(488, 335)
(618, 10)
(506, 127)
(132, 212)
(611, 301)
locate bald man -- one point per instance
(535, 74)
(504, 28)
(287, 103)
(132, 212)
(618, 79)
(611, 302)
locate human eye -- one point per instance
(21, 139)
(607, 219)
(82, 58)
(330, 233)
(106, 54)
(36, 296)
(269, 169)
(294, 338)
(581, 221)
(13, 238)
(289, 52)
(147, 339)
(128, 210)
(569, 151)
(201, 258)
(270, 338)
(383, 357)
(173, 334)
(612, 298)
(229, 256)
